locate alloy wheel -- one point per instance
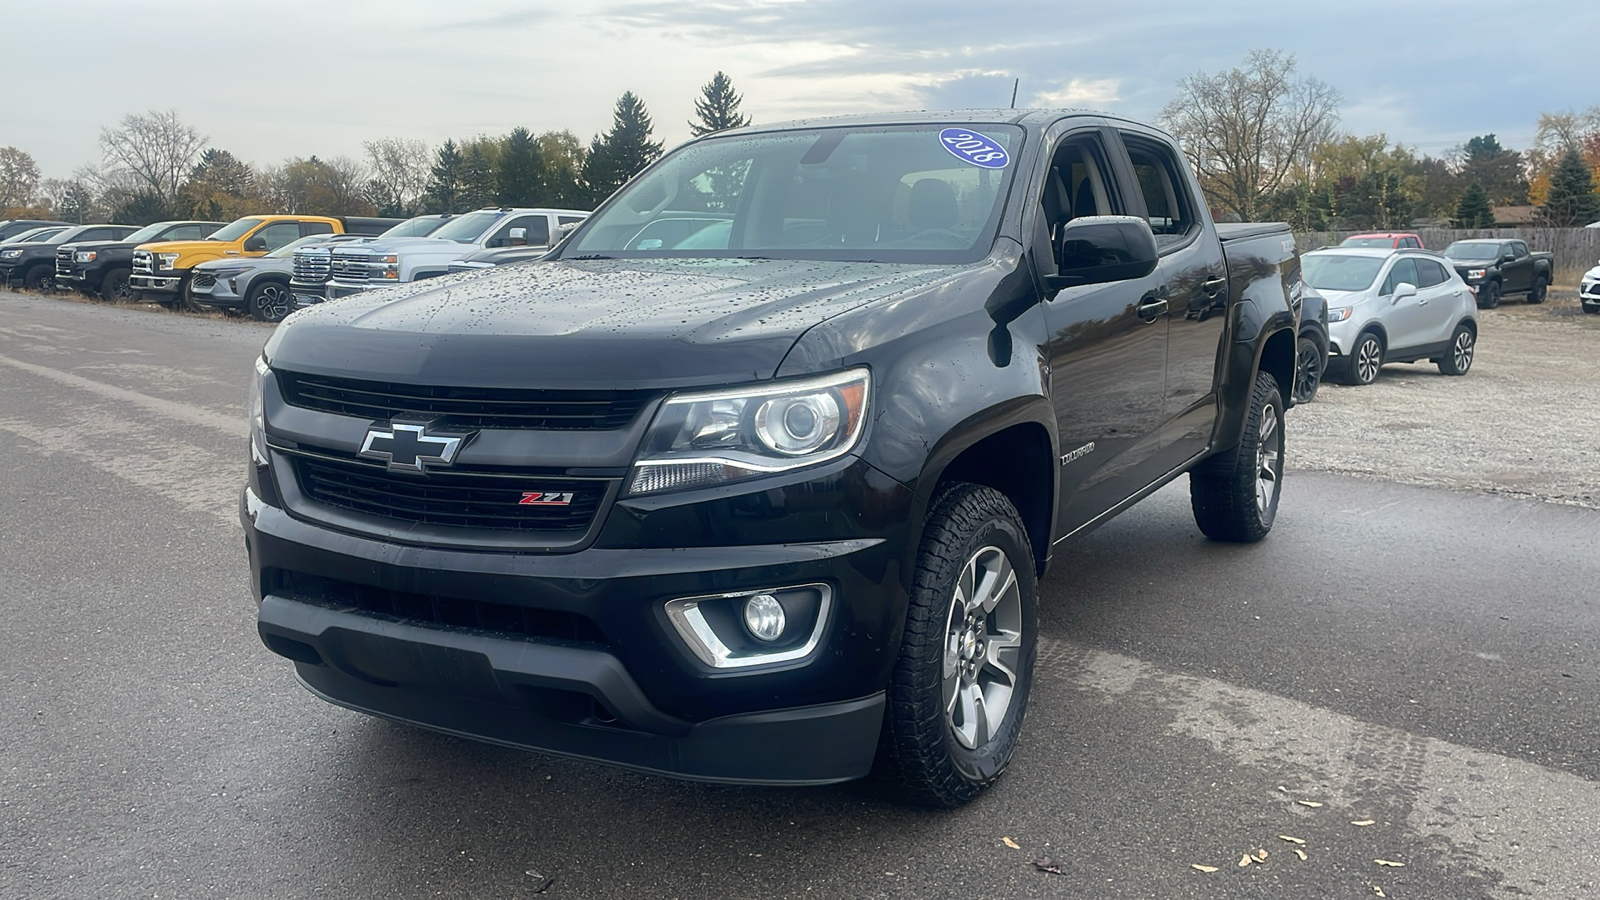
(983, 648)
(1269, 459)
(273, 303)
(1307, 373)
(1369, 358)
(1462, 350)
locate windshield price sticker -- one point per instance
(969, 146)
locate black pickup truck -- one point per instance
(101, 268)
(768, 502)
(1494, 268)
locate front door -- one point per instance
(1406, 319)
(1107, 352)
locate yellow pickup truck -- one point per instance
(161, 270)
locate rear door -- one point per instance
(1107, 361)
(1191, 281)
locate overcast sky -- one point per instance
(279, 78)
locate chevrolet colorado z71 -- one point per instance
(763, 495)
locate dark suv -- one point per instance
(34, 264)
(101, 268)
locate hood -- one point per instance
(400, 245)
(101, 245)
(246, 264)
(215, 248)
(592, 324)
(1593, 273)
(1336, 299)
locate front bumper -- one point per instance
(631, 693)
(217, 293)
(1590, 298)
(336, 289)
(155, 284)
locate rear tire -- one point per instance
(1489, 295)
(960, 684)
(1463, 347)
(114, 287)
(1540, 285)
(1235, 494)
(1308, 365)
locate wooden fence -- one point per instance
(1576, 249)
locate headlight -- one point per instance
(84, 256)
(165, 260)
(1477, 273)
(10, 254)
(258, 414)
(721, 436)
(1339, 314)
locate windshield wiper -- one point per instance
(591, 256)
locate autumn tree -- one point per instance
(154, 151)
(1249, 129)
(717, 107)
(220, 188)
(19, 178)
(563, 156)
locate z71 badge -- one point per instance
(546, 498)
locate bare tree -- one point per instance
(1562, 130)
(1249, 130)
(19, 178)
(400, 170)
(156, 149)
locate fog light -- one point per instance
(763, 617)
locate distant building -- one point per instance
(1515, 216)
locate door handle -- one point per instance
(1152, 308)
(1213, 286)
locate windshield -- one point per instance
(1367, 242)
(148, 233)
(421, 226)
(468, 228)
(1340, 273)
(1472, 251)
(924, 193)
(235, 230)
(287, 250)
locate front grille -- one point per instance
(465, 407)
(350, 268)
(63, 262)
(455, 499)
(312, 266)
(429, 609)
(143, 263)
(204, 280)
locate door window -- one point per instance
(277, 234)
(1404, 272)
(1430, 273)
(1076, 186)
(1519, 249)
(1163, 188)
(538, 232)
(182, 233)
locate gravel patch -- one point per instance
(1524, 421)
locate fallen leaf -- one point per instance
(1300, 853)
(1292, 840)
(1364, 823)
(1206, 869)
(1245, 860)
(1392, 865)
(1046, 864)
(1012, 844)
(1311, 803)
(1379, 891)
(1260, 855)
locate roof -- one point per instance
(1383, 234)
(1515, 215)
(1025, 117)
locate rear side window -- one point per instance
(1519, 248)
(1404, 272)
(1411, 243)
(310, 228)
(1430, 273)
(183, 233)
(1166, 200)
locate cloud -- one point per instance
(1095, 92)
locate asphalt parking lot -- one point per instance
(1404, 672)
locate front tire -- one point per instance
(1463, 346)
(41, 279)
(1366, 360)
(960, 685)
(270, 301)
(1489, 295)
(1235, 494)
(1540, 285)
(114, 287)
(1308, 364)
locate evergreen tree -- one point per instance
(1474, 211)
(220, 187)
(444, 183)
(718, 107)
(478, 187)
(1499, 170)
(622, 152)
(1573, 201)
(141, 208)
(519, 172)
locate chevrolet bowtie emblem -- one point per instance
(410, 448)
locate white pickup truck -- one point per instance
(383, 262)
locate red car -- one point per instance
(1399, 240)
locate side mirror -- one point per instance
(1403, 290)
(519, 235)
(255, 244)
(1103, 249)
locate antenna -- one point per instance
(1014, 85)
